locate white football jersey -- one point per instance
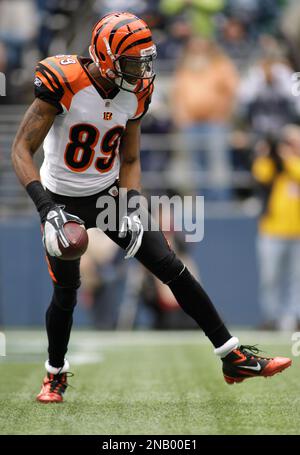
(81, 150)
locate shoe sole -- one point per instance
(230, 380)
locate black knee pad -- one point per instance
(65, 298)
(169, 268)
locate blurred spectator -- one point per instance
(162, 305)
(290, 29)
(277, 171)
(167, 314)
(237, 43)
(202, 102)
(200, 13)
(137, 7)
(266, 96)
(54, 17)
(256, 15)
(18, 27)
(151, 159)
(241, 156)
(3, 58)
(170, 44)
(99, 276)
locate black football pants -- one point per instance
(154, 253)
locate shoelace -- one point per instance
(251, 351)
(55, 382)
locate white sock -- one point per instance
(227, 347)
(54, 370)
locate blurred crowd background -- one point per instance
(223, 123)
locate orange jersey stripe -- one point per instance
(51, 273)
(63, 73)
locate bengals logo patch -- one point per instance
(107, 115)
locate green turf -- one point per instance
(145, 383)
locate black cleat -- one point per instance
(243, 363)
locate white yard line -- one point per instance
(91, 346)
(35, 341)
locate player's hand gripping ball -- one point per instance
(64, 235)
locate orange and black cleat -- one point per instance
(243, 363)
(53, 388)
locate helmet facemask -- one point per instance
(132, 71)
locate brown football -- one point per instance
(78, 240)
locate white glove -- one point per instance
(54, 230)
(133, 225)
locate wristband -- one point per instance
(41, 199)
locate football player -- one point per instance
(88, 113)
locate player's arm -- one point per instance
(31, 133)
(130, 171)
(130, 178)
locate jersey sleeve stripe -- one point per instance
(62, 74)
(50, 79)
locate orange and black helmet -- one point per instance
(123, 49)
